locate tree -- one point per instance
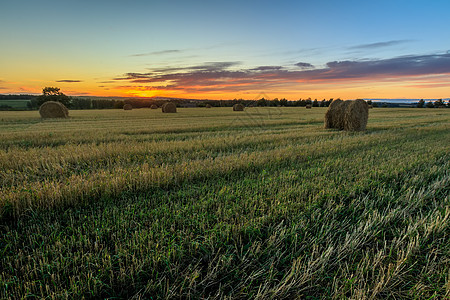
(308, 101)
(53, 94)
(81, 103)
(421, 103)
(429, 105)
(261, 102)
(439, 103)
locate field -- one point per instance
(211, 203)
(15, 104)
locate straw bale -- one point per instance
(169, 107)
(53, 109)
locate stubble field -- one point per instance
(211, 203)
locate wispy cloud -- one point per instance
(393, 67)
(379, 45)
(170, 51)
(78, 93)
(428, 85)
(304, 65)
(69, 80)
(267, 68)
(206, 67)
(226, 77)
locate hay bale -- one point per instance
(127, 107)
(53, 109)
(65, 109)
(356, 115)
(169, 107)
(370, 106)
(154, 106)
(238, 107)
(347, 115)
(208, 106)
(309, 106)
(333, 114)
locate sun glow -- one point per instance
(140, 93)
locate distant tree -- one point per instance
(439, 103)
(118, 104)
(369, 102)
(429, 105)
(261, 102)
(53, 94)
(81, 103)
(308, 101)
(315, 103)
(421, 103)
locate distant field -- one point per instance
(18, 104)
(211, 203)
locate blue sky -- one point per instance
(91, 47)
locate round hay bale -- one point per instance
(53, 109)
(309, 106)
(347, 115)
(334, 115)
(356, 115)
(208, 106)
(370, 106)
(169, 107)
(127, 107)
(65, 109)
(154, 106)
(238, 107)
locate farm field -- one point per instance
(211, 203)
(18, 104)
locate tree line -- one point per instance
(439, 103)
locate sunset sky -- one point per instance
(227, 49)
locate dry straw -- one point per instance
(127, 107)
(238, 107)
(154, 106)
(169, 107)
(53, 109)
(350, 115)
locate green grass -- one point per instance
(210, 203)
(16, 104)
